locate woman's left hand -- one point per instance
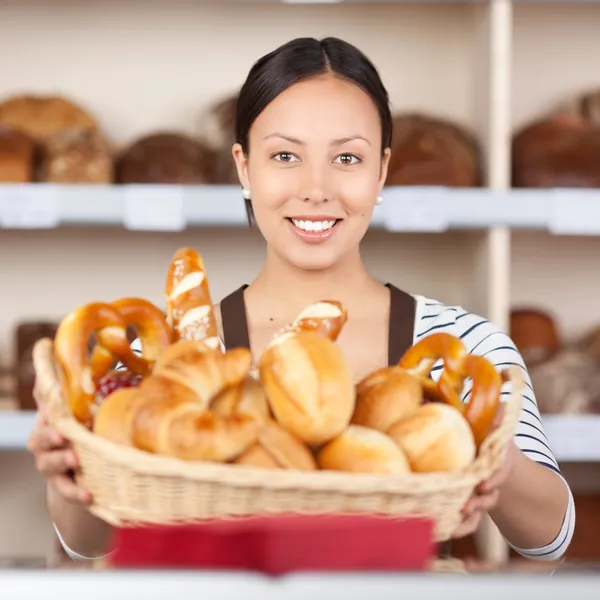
(486, 495)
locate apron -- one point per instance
(400, 339)
(285, 544)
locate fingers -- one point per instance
(468, 526)
(481, 503)
(67, 488)
(58, 462)
(44, 438)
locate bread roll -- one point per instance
(114, 420)
(363, 450)
(278, 449)
(166, 158)
(17, 156)
(556, 152)
(309, 385)
(43, 116)
(73, 156)
(433, 151)
(435, 438)
(535, 335)
(386, 396)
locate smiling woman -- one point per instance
(313, 135)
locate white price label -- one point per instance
(418, 209)
(575, 212)
(32, 206)
(154, 208)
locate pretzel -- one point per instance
(189, 305)
(151, 328)
(71, 350)
(458, 366)
(325, 317)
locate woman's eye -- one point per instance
(284, 157)
(347, 159)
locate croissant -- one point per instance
(170, 412)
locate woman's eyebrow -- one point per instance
(337, 142)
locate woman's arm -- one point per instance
(535, 510)
(82, 535)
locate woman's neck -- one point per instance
(290, 289)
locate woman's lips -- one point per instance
(314, 230)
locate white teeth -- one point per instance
(313, 225)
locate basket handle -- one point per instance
(48, 380)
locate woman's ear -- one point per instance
(241, 164)
(385, 163)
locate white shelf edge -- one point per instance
(407, 209)
(15, 428)
(573, 438)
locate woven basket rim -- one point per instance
(243, 476)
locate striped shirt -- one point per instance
(482, 338)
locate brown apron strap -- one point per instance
(235, 324)
(402, 323)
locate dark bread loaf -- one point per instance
(73, 156)
(559, 151)
(433, 151)
(17, 156)
(166, 158)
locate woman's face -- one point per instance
(314, 170)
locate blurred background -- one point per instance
(127, 157)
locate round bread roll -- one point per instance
(278, 449)
(43, 116)
(363, 450)
(560, 151)
(166, 158)
(114, 419)
(386, 396)
(435, 438)
(308, 385)
(433, 151)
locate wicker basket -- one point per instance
(131, 487)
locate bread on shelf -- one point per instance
(165, 158)
(42, 116)
(431, 151)
(18, 154)
(77, 157)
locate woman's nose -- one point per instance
(315, 185)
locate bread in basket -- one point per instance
(206, 435)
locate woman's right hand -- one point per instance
(54, 457)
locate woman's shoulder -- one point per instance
(476, 332)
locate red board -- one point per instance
(282, 544)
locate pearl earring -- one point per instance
(246, 194)
(379, 200)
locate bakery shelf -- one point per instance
(574, 438)
(15, 427)
(412, 209)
